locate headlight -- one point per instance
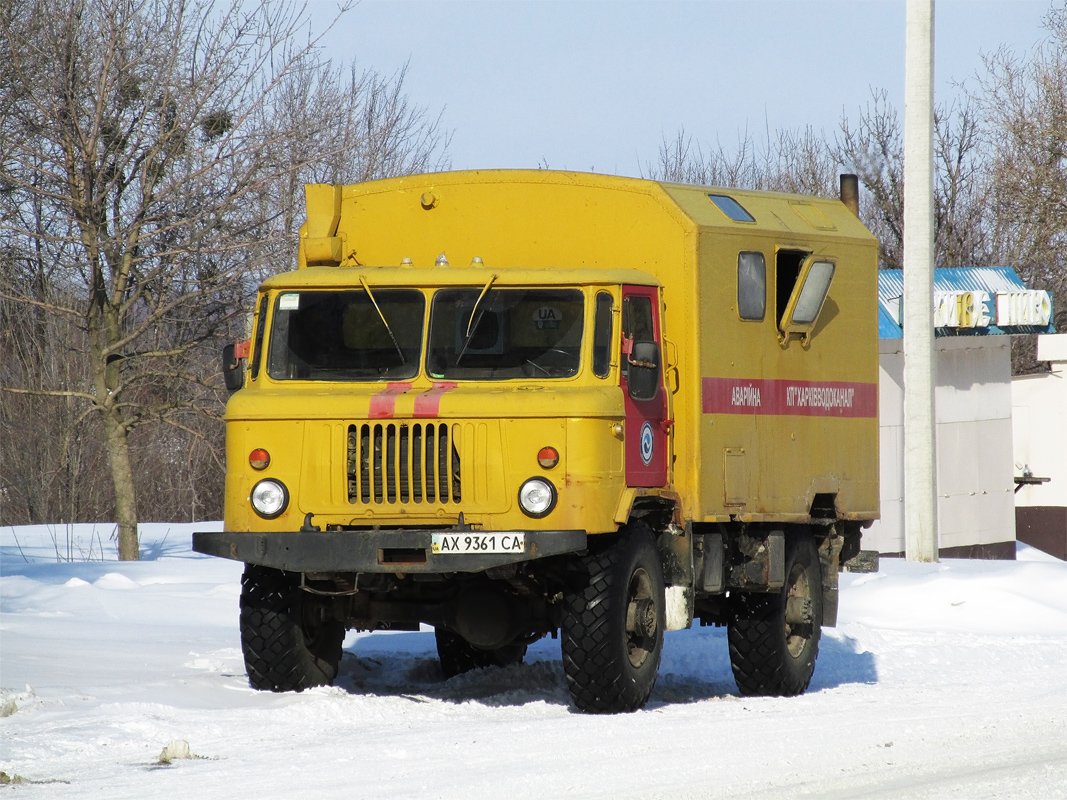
(269, 498)
(537, 497)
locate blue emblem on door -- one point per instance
(647, 443)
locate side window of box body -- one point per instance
(751, 285)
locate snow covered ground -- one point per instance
(942, 681)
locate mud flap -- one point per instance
(829, 558)
(675, 545)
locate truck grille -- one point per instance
(391, 462)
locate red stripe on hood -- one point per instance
(428, 404)
(383, 404)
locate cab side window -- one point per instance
(602, 335)
(637, 326)
(261, 327)
(641, 353)
(637, 319)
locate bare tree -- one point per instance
(1000, 169)
(790, 161)
(142, 147)
(1024, 103)
(806, 162)
(374, 132)
(680, 161)
(873, 149)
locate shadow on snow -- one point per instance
(695, 668)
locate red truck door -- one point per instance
(647, 412)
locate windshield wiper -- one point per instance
(385, 322)
(472, 325)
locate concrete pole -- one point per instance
(920, 451)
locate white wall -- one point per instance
(1039, 411)
(974, 439)
(887, 534)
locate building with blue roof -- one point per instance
(974, 311)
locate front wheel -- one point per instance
(289, 639)
(774, 637)
(612, 631)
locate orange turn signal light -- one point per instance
(547, 457)
(259, 459)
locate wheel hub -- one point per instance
(799, 612)
(641, 618)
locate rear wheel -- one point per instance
(289, 639)
(458, 655)
(612, 631)
(774, 637)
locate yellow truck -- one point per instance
(511, 404)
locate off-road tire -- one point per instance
(289, 642)
(610, 668)
(457, 655)
(769, 654)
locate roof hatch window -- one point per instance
(731, 208)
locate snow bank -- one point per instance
(942, 680)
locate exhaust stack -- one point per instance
(850, 192)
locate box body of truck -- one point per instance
(483, 392)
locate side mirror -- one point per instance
(643, 375)
(233, 368)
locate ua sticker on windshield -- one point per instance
(647, 443)
(547, 318)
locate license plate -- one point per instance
(449, 543)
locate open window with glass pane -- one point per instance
(808, 296)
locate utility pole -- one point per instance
(920, 443)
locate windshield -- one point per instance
(347, 336)
(505, 333)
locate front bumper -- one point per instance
(392, 551)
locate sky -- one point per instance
(599, 86)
